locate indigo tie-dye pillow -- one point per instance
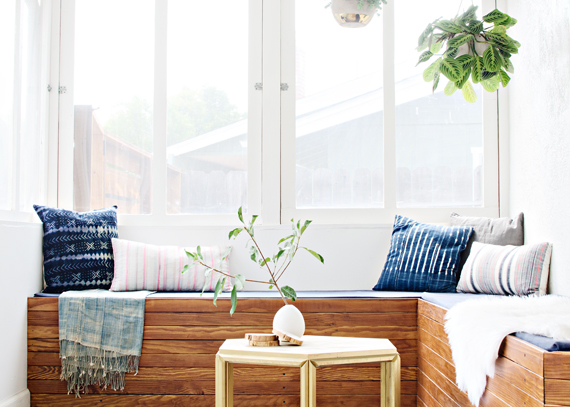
(423, 257)
(78, 254)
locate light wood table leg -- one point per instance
(308, 385)
(224, 383)
(390, 383)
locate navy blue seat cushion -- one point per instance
(77, 249)
(423, 257)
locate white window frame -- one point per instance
(386, 214)
(271, 133)
(159, 165)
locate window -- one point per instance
(23, 104)
(266, 105)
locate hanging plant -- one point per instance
(471, 51)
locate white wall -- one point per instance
(354, 255)
(539, 119)
(21, 257)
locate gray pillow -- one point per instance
(498, 231)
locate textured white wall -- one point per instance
(539, 118)
(21, 256)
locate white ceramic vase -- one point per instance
(347, 14)
(289, 321)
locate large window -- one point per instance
(24, 94)
(184, 111)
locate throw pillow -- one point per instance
(77, 249)
(422, 257)
(499, 231)
(140, 266)
(506, 270)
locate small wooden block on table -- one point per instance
(317, 351)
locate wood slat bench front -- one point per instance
(182, 336)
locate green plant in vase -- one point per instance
(471, 51)
(275, 265)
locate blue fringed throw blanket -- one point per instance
(100, 337)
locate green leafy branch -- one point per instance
(461, 60)
(372, 4)
(276, 265)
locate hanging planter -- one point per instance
(471, 51)
(355, 13)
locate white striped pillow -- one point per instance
(140, 266)
(506, 270)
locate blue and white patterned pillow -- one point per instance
(423, 257)
(78, 254)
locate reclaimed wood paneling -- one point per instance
(182, 336)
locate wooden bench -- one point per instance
(181, 337)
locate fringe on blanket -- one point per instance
(82, 366)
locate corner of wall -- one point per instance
(22, 399)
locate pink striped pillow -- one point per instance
(506, 270)
(140, 266)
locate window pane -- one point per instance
(207, 106)
(439, 139)
(32, 105)
(7, 29)
(114, 65)
(339, 109)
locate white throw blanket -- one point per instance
(477, 327)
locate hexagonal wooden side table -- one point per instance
(316, 351)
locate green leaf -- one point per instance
(199, 252)
(492, 84)
(191, 256)
(436, 47)
(253, 253)
(305, 226)
(485, 75)
(286, 238)
(431, 70)
(470, 14)
(499, 29)
(509, 48)
(263, 262)
(450, 88)
(509, 67)
(278, 255)
(427, 31)
(463, 79)
(451, 52)
(477, 69)
(317, 255)
(240, 216)
(505, 79)
(469, 93)
(466, 61)
(218, 289)
(208, 271)
(475, 27)
(253, 218)
(239, 281)
(459, 40)
(226, 252)
(424, 57)
(449, 26)
(270, 287)
(499, 39)
(451, 69)
(234, 233)
(233, 300)
(491, 59)
(510, 22)
(185, 268)
(435, 82)
(495, 17)
(288, 292)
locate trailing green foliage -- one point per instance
(461, 59)
(276, 265)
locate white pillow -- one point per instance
(140, 266)
(506, 270)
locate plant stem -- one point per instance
(267, 266)
(229, 275)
